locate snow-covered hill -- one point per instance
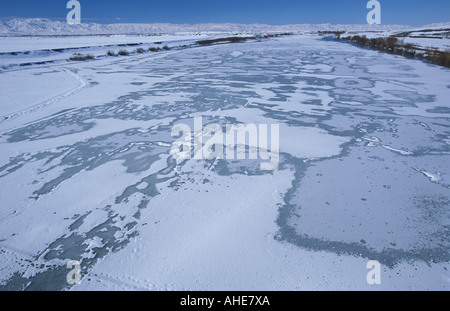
(38, 26)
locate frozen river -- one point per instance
(86, 172)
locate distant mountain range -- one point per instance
(39, 26)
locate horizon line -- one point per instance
(92, 21)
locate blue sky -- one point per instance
(412, 12)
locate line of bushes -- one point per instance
(227, 39)
(123, 53)
(79, 58)
(138, 51)
(240, 39)
(158, 49)
(394, 46)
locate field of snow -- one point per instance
(86, 172)
(23, 44)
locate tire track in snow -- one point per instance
(54, 100)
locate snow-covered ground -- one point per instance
(24, 44)
(86, 172)
(19, 52)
